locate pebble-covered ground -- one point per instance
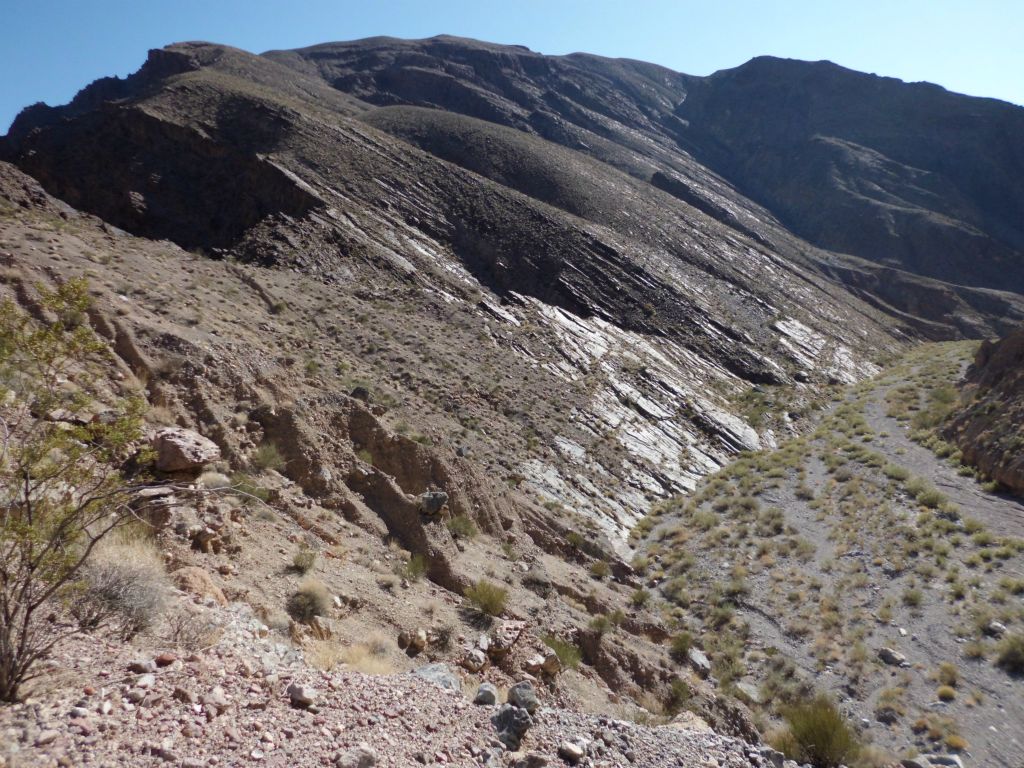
(251, 700)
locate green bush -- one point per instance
(568, 654)
(818, 734)
(640, 597)
(416, 568)
(600, 570)
(267, 456)
(64, 486)
(462, 527)
(678, 694)
(680, 646)
(487, 598)
(1010, 655)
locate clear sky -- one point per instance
(51, 48)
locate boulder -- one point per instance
(750, 692)
(511, 723)
(361, 756)
(699, 661)
(440, 674)
(504, 637)
(524, 696)
(432, 502)
(486, 695)
(301, 696)
(891, 657)
(179, 450)
(571, 752)
(475, 660)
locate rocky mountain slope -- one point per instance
(458, 313)
(989, 425)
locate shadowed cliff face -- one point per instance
(989, 427)
(909, 175)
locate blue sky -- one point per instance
(50, 49)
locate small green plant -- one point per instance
(1010, 654)
(64, 486)
(913, 598)
(600, 570)
(487, 598)
(946, 693)
(569, 655)
(817, 733)
(267, 456)
(680, 646)
(461, 527)
(413, 569)
(601, 625)
(640, 597)
(679, 694)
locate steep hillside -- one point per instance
(469, 328)
(989, 425)
(909, 175)
(906, 175)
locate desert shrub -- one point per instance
(680, 646)
(487, 598)
(268, 456)
(568, 654)
(600, 569)
(896, 472)
(189, 630)
(124, 584)
(947, 674)
(946, 693)
(64, 490)
(462, 527)
(415, 568)
(913, 598)
(817, 733)
(214, 480)
(640, 597)
(250, 493)
(310, 600)
(304, 560)
(679, 694)
(601, 624)
(1010, 654)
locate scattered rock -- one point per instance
(362, 756)
(432, 502)
(891, 657)
(486, 695)
(504, 637)
(772, 757)
(440, 674)
(995, 629)
(301, 696)
(475, 660)
(571, 752)
(142, 666)
(511, 723)
(47, 737)
(699, 661)
(524, 696)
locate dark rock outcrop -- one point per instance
(989, 429)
